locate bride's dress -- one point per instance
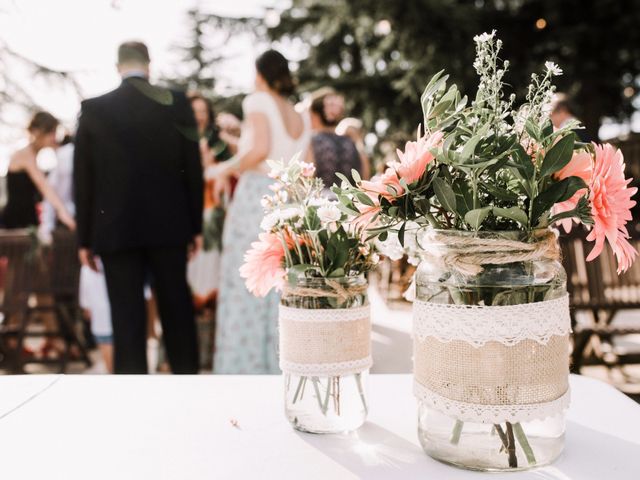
(246, 331)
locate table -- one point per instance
(181, 428)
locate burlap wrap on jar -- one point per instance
(491, 364)
(325, 342)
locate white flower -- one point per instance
(329, 213)
(485, 37)
(553, 68)
(317, 201)
(364, 249)
(375, 258)
(266, 202)
(269, 221)
(289, 213)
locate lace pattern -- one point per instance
(326, 369)
(478, 413)
(477, 325)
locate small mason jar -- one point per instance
(485, 445)
(317, 398)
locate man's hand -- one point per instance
(196, 245)
(85, 255)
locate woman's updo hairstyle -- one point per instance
(274, 68)
(43, 122)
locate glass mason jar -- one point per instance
(328, 403)
(486, 445)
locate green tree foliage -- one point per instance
(381, 53)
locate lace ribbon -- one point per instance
(479, 413)
(326, 369)
(477, 325)
(492, 364)
(325, 342)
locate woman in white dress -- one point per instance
(246, 337)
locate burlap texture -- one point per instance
(494, 374)
(326, 341)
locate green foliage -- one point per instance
(492, 167)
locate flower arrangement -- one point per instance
(486, 165)
(304, 234)
(489, 179)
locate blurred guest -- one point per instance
(93, 296)
(204, 268)
(330, 152)
(352, 128)
(138, 189)
(212, 147)
(230, 128)
(26, 182)
(247, 338)
(562, 112)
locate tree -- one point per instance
(200, 55)
(380, 54)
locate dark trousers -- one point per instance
(126, 273)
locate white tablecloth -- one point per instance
(180, 428)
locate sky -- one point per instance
(82, 36)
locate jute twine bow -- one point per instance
(468, 254)
(335, 290)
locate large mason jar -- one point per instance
(491, 348)
(325, 353)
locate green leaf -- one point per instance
(355, 175)
(364, 198)
(558, 156)
(532, 129)
(514, 213)
(475, 217)
(445, 194)
(297, 271)
(401, 233)
(557, 192)
(523, 162)
(343, 178)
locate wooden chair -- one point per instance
(598, 293)
(49, 274)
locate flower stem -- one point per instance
(457, 431)
(511, 447)
(524, 443)
(315, 382)
(298, 389)
(361, 392)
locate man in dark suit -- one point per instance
(138, 189)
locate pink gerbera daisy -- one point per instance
(264, 264)
(611, 204)
(581, 165)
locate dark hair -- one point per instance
(318, 99)
(562, 101)
(44, 122)
(274, 68)
(136, 52)
(193, 96)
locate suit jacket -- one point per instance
(137, 172)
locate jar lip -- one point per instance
(507, 234)
(323, 280)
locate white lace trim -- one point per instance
(324, 314)
(473, 412)
(326, 369)
(477, 325)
